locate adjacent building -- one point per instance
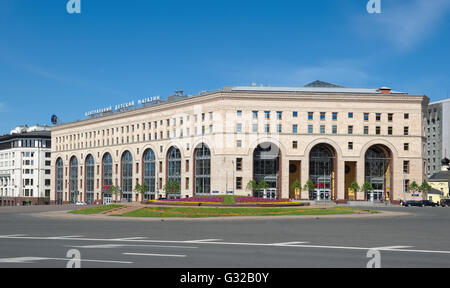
(217, 142)
(25, 166)
(440, 182)
(438, 142)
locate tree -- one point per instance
(425, 187)
(414, 187)
(141, 189)
(114, 190)
(263, 185)
(252, 185)
(310, 187)
(355, 186)
(172, 187)
(296, 186)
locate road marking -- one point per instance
(154, 255)
(14, 235)
(391, 248)
(32, 260)
(289, 243)
(110, 246)
(130, 238)
(235, 244)
(66, 237)
(203, 240)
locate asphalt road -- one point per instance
(420, 240)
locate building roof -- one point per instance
(436, 192)
(322, 84)
(318, 90)
(442, 176)
(34, 134)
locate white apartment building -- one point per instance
(25, 161)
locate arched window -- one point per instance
(59, 181)
(378, 172)
(89, 174)
(73, 180)
(149, 174)
(127, 176)
(266, 166)
(321, 172)
(107, 178)
(202, 170)
(174, 167)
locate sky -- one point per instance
(53, 62)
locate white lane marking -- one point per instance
(202, 240)
(130, 238)
(110, 246)
(289, 243)
(13, 235)
(66, 237)
(391, 248)
(154, 255)
(236, 244)
(32, 260)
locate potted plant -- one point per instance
(366, 188)
(354, 188)
(310, 187)
(297, 187)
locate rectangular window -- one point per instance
(239, 113)
(366, 116)
(279, 128)
(294, 144)
(335, 116)
(239, 128)
(322, 116)
(350, 115)
(406, 131)
(267, 114)
(294, 129)
(238, 183)
(239, 143)
(255, 114)
(378, 130)
(322, 129)
(187, 166)
(406, 116)
(334, 129)
(238, 164)
(378, 117)
(390, 117)
(310, 115)
(295, 114)
(406, 167)
(350, 129)
(187, 183)
(255, 128)
(390, 131)
(366, 130)
(310, 129)
(406, 146)
(279, 115)
(267, 128)
(350, 145)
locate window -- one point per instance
(279, 115)
(406, 131)
(187, 165)
(239, 128)
(255, 114)
(279, 128)
(335, 116)
(294, 144)
(295, 114)
(378, 130)
(322, 116)
(239, 113)
(310, 115)
(238, 164)
(267, 128)
(378, 117)
(322, 129)
(406, 116)
(366, 116)
(255, 128)
(334, 129)
(390, 131)
(406, 146)
(267, 114)
(238, 183)
(390, 117)
(310, 129)
(350, 129)
(366, 130)
(406, 167)
(350, 115)
(239, 143)
(294, 129)
(350, 145)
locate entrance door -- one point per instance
(323, 189)
(377, 194)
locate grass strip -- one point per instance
(96, 210)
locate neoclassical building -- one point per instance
(216, 142)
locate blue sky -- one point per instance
(116, 51)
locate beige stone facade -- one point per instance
(233, 122)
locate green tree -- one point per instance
(141, 189)
(172, 187)
(425, 187)
(355, 186)
(263, 185)
(252, 185)
(414, 187)
(296, 185)
(309, 186)
(367, 187)
(114, 190)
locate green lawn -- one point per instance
(192, 212)
(96, 210)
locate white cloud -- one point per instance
(404, 23)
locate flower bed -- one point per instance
(227, 201)
(197, 199)
(249, 200)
